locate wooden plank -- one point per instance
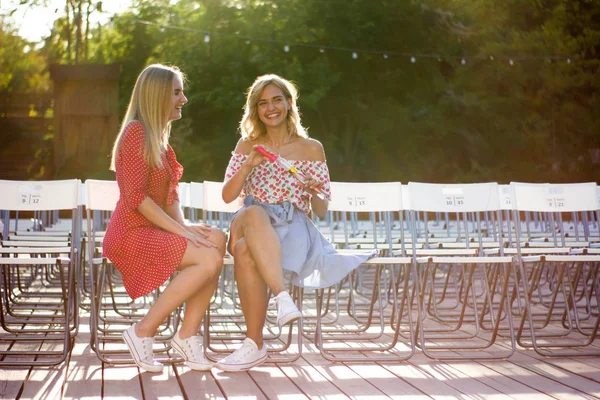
(344, 378)
(46, 382)
(559, 375)
(423, 381)
(161, 385)
(198, 384)
(274, 383)
(534, 380)
(237, 385)
(391, 385)
(504, 384)
(84, 373)
(311, 382)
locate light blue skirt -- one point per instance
(305, 252)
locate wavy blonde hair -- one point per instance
(150, 104)
(251, 127)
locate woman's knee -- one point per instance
(242, 256)
(217, 237)
(254, 215)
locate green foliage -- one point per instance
(379, 118)
(22, 68)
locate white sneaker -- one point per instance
(141, 350)
(244, 358)
(286, 308)
(191, 350)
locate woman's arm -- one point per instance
(161, 218)
(316, 153)
(174, 211)
(233, 186)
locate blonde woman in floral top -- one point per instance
(273, 232)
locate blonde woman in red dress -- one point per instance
(272, 233)
(147, 239)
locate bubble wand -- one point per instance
(288, 166)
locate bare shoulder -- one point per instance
(313, 150)
(243, 146)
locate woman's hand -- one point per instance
(198, 234)
(313, 186)
(254, 159)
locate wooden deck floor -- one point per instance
(523, 376)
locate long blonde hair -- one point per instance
(150, 104)
(251, 126)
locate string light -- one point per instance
(356, 52)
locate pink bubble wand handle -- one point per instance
(288, 166)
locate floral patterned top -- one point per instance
(271, 183)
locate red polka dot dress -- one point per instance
(145, 254)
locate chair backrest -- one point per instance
(366, 196)
(468, 197)
(550, 197)
(102, 195)
(197, 195)
(184, 194)
(504, 193)
(39, 195)
(213, 199)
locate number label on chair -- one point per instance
(357, 201)
(455, 201)
(556, 202)
(27, 196)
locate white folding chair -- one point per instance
(458, 327)
(377, 292)
(39, 304)
(112, 310)
(560, 290)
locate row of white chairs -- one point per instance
(402, 288)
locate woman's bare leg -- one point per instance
(253, 224)
(252, 290)
(195, 306)
(199, 267)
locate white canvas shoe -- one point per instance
(191, 350)
(244, 358)
(286, 308)
(141, 350)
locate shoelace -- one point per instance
(242, 351)
(147, 345)
(273, 302)
(195, 347)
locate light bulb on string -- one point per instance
(568, 61)
(286, 48)
(385, 55)
(206, 38)
(463, 61)
(413, 60)
(511, 62)
(354, 55)
(321, 50)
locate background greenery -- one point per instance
(380, 119)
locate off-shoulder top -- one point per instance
(271, 183)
